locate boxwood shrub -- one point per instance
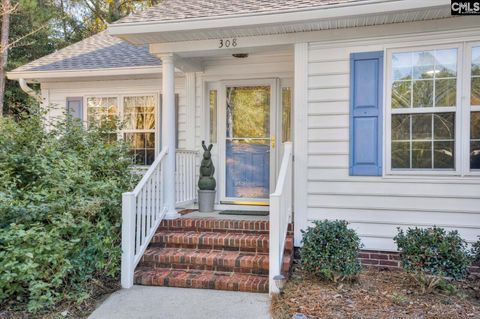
(330, 250)
(431, 254)
(60, 209)
(476, 251)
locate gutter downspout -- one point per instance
(25, 88)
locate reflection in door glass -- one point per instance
(248, 142)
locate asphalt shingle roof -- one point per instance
(190, 9)
(100, 51)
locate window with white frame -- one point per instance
(475, 109)
(424, 108)
(137, 114)
(139, 127)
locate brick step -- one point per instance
(201, 279)
(213, 260)
(215, 241)
(216, 225)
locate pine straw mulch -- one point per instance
(99, 289)
(377, 294)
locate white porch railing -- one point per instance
(280, 215)
(186, 190)
(142, 211)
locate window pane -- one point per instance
(252, 121)
(423, 65)
(421, 126)
(476, 61)
(101, 110)
(212, 96)
(446, 63)
(475, 126)
(446, 92)
(400, 154)
(401, 94)
(423, 93)
(444, 124)
(402, 66)
(475, 155)
(444, 155)
(421, 155)
(286, 114)
(400, 127)
(475, 95)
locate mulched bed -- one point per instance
(377, 294)
(100, 289)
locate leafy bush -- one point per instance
(60, 209)
(330, 250)
(431, 254)
(476, 251)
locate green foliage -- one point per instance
(431, 254)
(330, 250)
(60, 209)
(476, 251)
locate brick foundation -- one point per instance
(391, 260)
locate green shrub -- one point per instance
(330, 250)
(476, 251)
(60, 209)
(431, 254)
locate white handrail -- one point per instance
(142, 211)
(186, 161)
(281, 201)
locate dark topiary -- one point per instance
(431, 254)
(206, 180)
(330, 250)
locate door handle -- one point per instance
(273, 141)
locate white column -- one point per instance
(168, 133)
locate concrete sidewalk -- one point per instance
(141, 302)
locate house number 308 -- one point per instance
(227, 43)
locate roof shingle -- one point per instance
(170, 10)
(100, 51)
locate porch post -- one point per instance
(168, 133)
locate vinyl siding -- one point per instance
(374, 206)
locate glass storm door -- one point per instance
(248, 141)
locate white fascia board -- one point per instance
(33, 75)
(321, 13)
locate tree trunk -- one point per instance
(4, 49)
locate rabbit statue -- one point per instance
(206, 180)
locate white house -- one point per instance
(380, 100)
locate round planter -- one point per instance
(206, 199)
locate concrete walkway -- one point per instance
(141, 302)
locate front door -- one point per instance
(248, 142)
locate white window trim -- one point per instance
(120, 107)
(459, 119)
(468, 108)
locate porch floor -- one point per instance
(216, 215)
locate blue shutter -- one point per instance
(75, 107)
(366, 95)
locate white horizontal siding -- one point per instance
(374, 206)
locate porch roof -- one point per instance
(191, 20)
(98, 52)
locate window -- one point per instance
(212, 98)
(139, 127)
(103, 111)
(286, 114)
(475, 109)
(424, 110)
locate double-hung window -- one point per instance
(137, 116)
(424, 110)
(433, 110)
(474, 111)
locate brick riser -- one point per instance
(211, 254)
